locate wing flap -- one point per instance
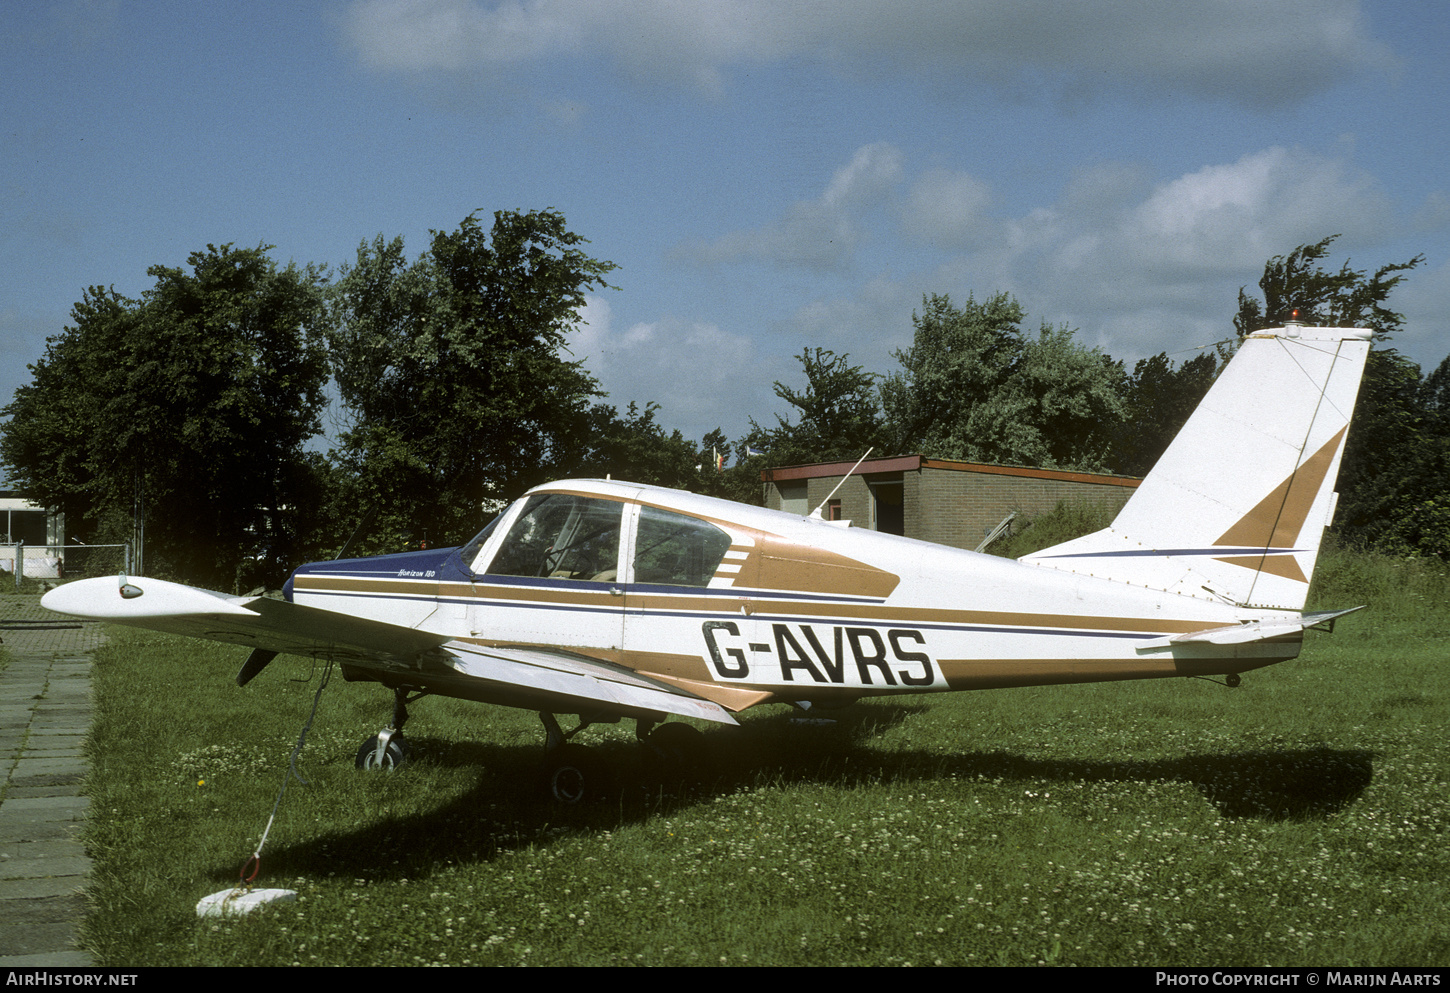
(569, 682)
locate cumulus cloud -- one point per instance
(701, 376)
(1242, 50)
(820, 234)
(948, 209)
(1138, 267)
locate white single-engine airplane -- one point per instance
(611, 600)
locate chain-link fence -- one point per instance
(65, 561)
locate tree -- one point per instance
(635, 447)
(45, 442)
(1348, 298)
(199, 397)
(1158, 399)
(1396, 465)
(975, 387)
(450, 371)
(839, 414)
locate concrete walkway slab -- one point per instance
(45, 713)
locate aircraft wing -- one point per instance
(538, 678)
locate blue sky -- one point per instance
(769, 175)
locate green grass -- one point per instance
(1299, 819)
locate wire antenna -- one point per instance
(817, 512)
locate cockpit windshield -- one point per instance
(562, 536)
(469, 552)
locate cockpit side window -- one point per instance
(674, 550)
(562, 536)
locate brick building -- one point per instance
(951, 503)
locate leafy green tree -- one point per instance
(1349, 298)
(974, 386)
(1158, 399)
(449, 368)
(45, 441)
(958, 360)
(199, 397)
(636, 448)
(839, 414)
(1396, 467)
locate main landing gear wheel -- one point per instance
(379, 753)
(678, 752)
(574, 775)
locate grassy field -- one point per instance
(1298, 819)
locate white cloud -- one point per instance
(820, 234)
(1243, 50)
(948, 210)
(1225, 217)
(701, 376)
(457, 34)
(1138, 268)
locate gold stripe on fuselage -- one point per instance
(731, 604)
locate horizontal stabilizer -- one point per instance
(1250, 631)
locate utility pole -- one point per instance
(138, 523)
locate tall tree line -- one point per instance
(975, 386)
(453, 394)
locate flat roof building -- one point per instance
(948, 502)
(21, 520)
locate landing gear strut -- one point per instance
(572, 774)
(387, 749)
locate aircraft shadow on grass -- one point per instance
(505, 812)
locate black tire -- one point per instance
(394, 756)
(574, 775)
(678, 752)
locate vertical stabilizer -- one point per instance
(1235, 510)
